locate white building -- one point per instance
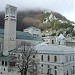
(56, 59)
(33, 31)
(58, 40)
(50, 39)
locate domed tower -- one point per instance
(10, 29)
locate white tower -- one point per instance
(10, 29)
(61, 40)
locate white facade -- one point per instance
(7, 70)
(10, 29)
(56, 59)
(57, 40)
(50, 39)
(33, 31)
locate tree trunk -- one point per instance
(21, 72)
(25, 72)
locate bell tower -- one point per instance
(10, 29)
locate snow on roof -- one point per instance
(42, 44)
(61, 36)
(50, 48)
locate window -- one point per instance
(48, 58)
(48, 66)
(73, 57)
(2, 63)
(33, 56)
(66, 58)
(59, 42)
(7, 10)
(0, 46)
(70, 58)
(52, 41)
(67, 72)
(42, 58)
(5, 63)
(13, 11)
(41, 65)
(4, 69)
(41, 70)
(73, 70)
(48, 72)
(55, 72)
(55, 59)
(64, 73)
(55, 67)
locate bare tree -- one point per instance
(26, 62)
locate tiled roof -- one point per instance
(1, 31)
(22, 35)
(55, 49)
(6, 58)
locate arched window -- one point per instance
(4, 69)
(70, 58)
(55, 72)
(7, 10)
(59, 42)
(55, 59)
(67, 72)
(41, 65)
(42, 58)
(66, 58)
(73, 57)
(5, 63)
(52, 41)
(48, 58)
(2, 63)
(55, 67)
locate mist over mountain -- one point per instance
(45, 20)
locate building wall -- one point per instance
(10, 29)
(33, 31)
(3, 68)
(61, 66)
(50, 39)
(33, 42)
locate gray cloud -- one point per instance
(61, 6)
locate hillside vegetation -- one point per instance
(52, 22)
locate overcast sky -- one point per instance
(65, 7)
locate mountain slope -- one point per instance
(47, 21)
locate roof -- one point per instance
(6, 58)
(55, 49)
(10, 6)
(22, 35)
(61, 36)
(31, 28)
(19, 33)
